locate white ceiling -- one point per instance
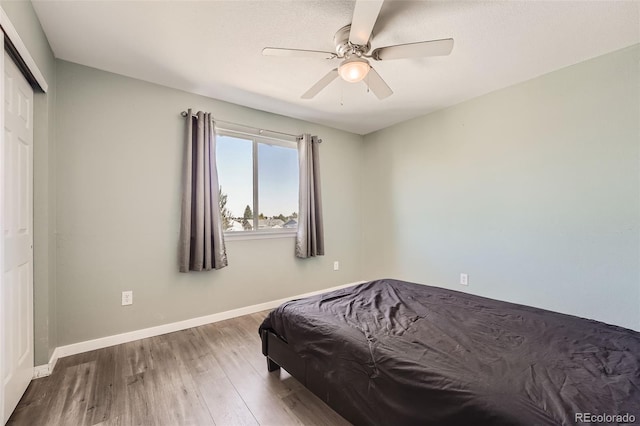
(213, 48)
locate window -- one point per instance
(258, 184)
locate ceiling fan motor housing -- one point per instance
(344, 48)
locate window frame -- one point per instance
(256, 232)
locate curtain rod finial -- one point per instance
(183, 113)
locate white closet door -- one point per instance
(17, 206)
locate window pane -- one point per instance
(277, 186)
(235, 174)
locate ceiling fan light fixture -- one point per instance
(354, 69)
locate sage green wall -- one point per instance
(532, 190)
(120, 144)
(26, 23)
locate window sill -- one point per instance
(258, 235)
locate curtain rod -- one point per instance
(184, 114)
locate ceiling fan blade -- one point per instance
(298, 53)
(365, 15)
(377, 84)
(321, 84)
(414, 50)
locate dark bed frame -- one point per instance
(279, 354)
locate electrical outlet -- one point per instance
(336, 265)
(127, 298)
(464, 279)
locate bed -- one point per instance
(390, 352)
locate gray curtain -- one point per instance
(201, 234)
(310, 236)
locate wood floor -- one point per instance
(209, 375)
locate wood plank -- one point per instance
(194, 354)
(136, 406)
(311, 410)
(33, 405)
(137, 357)
(116, 421)
(104, 392)
(174, 399)
(260, 396)
(225, 404)
(69, 406)
(170, 388)
(247, 362)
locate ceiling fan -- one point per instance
(353, 43)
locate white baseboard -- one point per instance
(104, 342)
(43, 370)
(46, 369)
